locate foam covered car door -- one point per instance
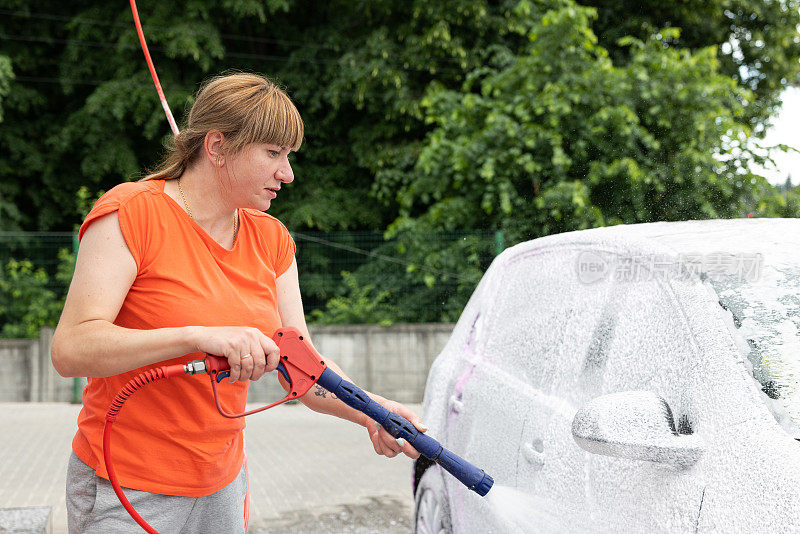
(649, 347)
(550, 467)
(484, 427)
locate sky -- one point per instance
(786, 130)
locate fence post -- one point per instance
(35, 381)
(75, 242)
(499, 244)
(46, 371)
(76, 382)
(369, 382)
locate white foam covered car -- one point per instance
(638, 378)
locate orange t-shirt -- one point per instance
(169, 437)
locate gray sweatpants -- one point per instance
(93, 507)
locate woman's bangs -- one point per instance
(278, 122)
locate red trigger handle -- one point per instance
(300, 365)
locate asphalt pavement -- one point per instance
(308, 472)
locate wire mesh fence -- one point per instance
(345, 277)
(365, 278)
(46, 251)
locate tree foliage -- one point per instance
(360, 304)
(559, 138)
(26, 302)
(82, 110)
(521, 116)
(756, 43)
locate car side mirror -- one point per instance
(636, 425)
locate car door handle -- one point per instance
(455, 404)
(533, 452)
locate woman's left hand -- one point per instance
(382, 441)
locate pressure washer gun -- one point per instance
(302, 367)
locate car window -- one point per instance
(765, 312)
(542, 319)
(644, 342)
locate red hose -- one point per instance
(150, 375)
(229, 415)
(152, 68)
(136, 383)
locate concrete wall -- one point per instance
(26, 373)
(392, 361)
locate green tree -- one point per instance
(439, 272)
(6, 75)
(787, 185)
(359, 304)
(82, 110)
(421, 115)
(26, 303)
(8, 210)
(559, 138)
(756, 42)
(30, 298)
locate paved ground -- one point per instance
(308, 472)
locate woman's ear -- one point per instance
(213, 146)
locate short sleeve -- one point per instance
(117, 199)
(285, 250)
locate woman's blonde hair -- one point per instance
(246, 108)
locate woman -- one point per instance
(180, 264)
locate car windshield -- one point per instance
(765, 310)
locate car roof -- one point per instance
(777, 239)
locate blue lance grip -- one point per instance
(400, 427)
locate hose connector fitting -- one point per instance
(195, 367)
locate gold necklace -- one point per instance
(189, 211)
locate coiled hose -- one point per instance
(134, 385)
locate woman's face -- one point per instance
(257, 174)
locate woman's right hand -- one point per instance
(236, 342)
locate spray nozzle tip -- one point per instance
(483, 487)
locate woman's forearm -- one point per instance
(99, 348)
(323, 401)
